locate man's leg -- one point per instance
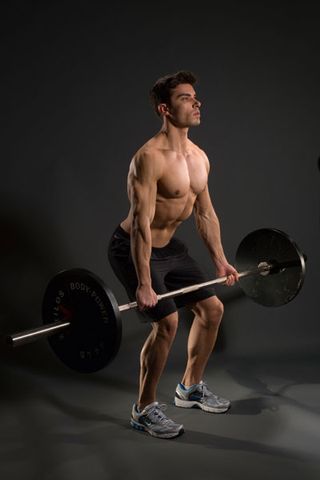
(202, 338)
(192, 391)
(149, 415)
(154, 356)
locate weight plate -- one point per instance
(93, 338)
(284, 282)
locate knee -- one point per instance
(166, 328)
(210, 311)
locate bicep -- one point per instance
(143, 186)
(203, 204)
(143, 198)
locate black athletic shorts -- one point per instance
(171, 268)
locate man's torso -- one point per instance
(184, 176)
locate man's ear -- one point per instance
(163, 109)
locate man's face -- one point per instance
(184, 108)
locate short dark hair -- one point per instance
(161, 90)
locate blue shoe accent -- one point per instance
(199, 396)
(153, 421)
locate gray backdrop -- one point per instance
(74, 88)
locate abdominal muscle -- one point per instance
(169, 214)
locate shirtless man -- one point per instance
(167, 181)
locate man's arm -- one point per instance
(144, 174)
(209, 229)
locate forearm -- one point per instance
(141, 245)
(208, 226)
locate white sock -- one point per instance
(187, 387)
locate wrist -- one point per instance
(219, 260)
(144, 284)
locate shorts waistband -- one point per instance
(174, 247)
(119, 231)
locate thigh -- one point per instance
(165, 307)
(120, 259)
(186, 272)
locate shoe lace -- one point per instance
(205, 392)
(156, 414)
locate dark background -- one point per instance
(74, 107)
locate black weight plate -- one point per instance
(275, 247)
(93, 338)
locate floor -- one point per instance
(57, 424)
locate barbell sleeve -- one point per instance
(28, 336)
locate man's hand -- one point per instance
(227, 270)
(146, 297)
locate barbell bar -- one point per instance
(31, 335)
(263, 268)
(82, 317)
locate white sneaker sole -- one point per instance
(192, 404)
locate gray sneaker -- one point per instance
(199, 396)
(154, 421)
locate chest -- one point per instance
(183, 175)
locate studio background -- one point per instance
(75, 108)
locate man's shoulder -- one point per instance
(148, 160)
(196, 150)
(149, 151)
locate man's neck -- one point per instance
(177, 138)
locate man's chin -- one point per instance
(196, 122)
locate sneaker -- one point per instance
(154, 421)
(199, 396)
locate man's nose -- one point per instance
(197, 103)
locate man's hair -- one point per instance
(161, 90)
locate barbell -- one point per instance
(81, 316)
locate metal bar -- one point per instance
(28, 336)
(263, 268)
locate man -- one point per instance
(167, 181)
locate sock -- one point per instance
(186, 387)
